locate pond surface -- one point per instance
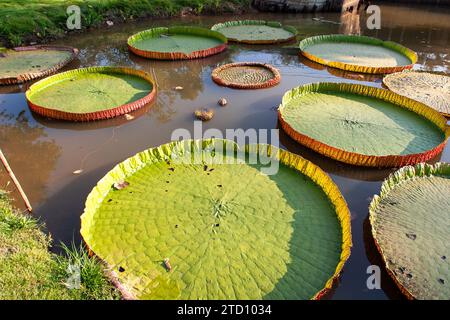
(44, 153)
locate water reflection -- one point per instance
(341, 73)
(93, 125)
(30, 153)
(350, 22)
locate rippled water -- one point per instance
(44, 152)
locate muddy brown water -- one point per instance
(45, 152)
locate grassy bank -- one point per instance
(24, 21)
(29, 271)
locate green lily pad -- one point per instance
(428, 88)
(256, 31)
(355, 123)
(411, 226)
(177, 43)
(358, 53)
(27, 63)
(193, 223)
(100, 92)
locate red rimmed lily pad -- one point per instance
(91, 93)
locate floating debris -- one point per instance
(79, 171)
(129, 117)
(178, 88)
(167, 264)
(204, 114)
(223, 102)
(120, 185)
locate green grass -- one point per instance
(30, 271)
(23, 20)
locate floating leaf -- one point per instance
(256, 31)
(246, 75)
(95, 93)
(410, 225)
(362, 125)
(428, 88)
(27, 63)
(281, 236)
(358, 53)
(176, 43)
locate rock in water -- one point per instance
(223, 102)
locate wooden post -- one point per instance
(16, 182)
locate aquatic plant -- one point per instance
(23, 64)
(410, 226)
(95, 93)
(187, 227)
(246, 75)
(256, 31)
(362, 125)
(358, 53)
(432, 89)
(177, 43)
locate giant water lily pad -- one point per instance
(428, 88)
(246, 75)
(27, 63)
(91, 93)
(193, 222)
(362, 125)
(358, 53)
(176, 43)
(256, 31)
(411, 227)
